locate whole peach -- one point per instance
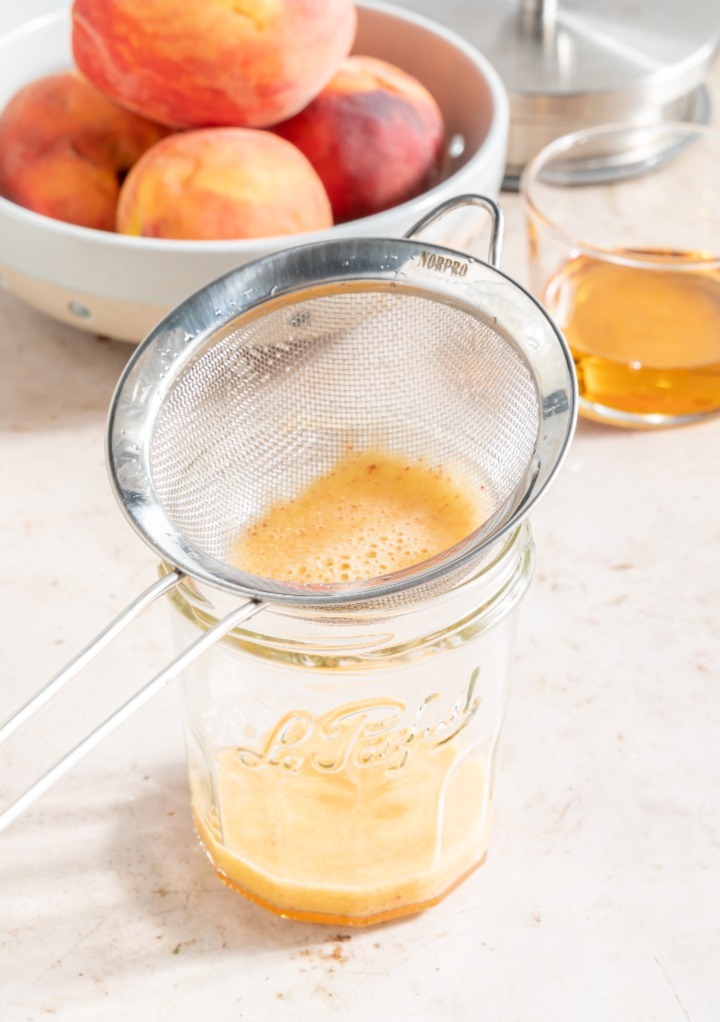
(222, 183)
(374, 134)
(198, 63)
(65, 149)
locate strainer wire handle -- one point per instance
(489, 205)
(190, 653)
(86, 655)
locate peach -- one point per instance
(206, 63)
(65, 149)
(221, 183)
(374, 134)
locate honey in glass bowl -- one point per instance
(645, 338)
(624, 252)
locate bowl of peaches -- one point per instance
(149, 147)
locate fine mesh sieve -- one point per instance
(263, 380)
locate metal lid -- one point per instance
(577, 63)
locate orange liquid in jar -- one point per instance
(645, 341)
(366, 810)
(358, 846)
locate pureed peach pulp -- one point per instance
(372, 514)
(341, 762)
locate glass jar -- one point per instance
(342, 762)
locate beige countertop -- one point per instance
(600, 899)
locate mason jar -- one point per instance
(342, 762)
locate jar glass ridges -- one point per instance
(341, 764)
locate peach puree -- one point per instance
(353, 815)
(357, 846)
(374, 513)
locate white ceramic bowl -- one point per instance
(121, 286)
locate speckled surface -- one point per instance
(600, 899)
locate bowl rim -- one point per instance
(497, 129)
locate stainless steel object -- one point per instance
(571, 64)
(259, 382)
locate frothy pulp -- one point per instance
(374, 513)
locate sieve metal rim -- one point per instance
(406, 264)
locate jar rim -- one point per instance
(209, 603)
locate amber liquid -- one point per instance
(646, 341)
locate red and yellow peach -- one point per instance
(247, 63)
(221, 183)
(65, 150)
(374, 134)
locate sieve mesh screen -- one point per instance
(276, 398)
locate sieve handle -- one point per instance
(190, 653)
(86, 655)
(489, 205)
